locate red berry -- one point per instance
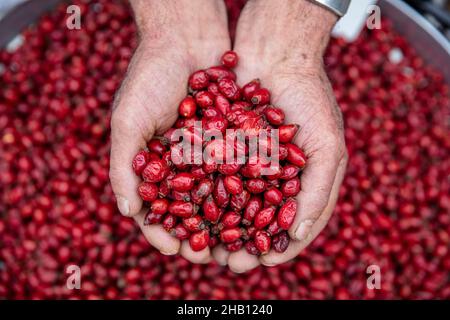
(182, 182)
(203, 189)
(233, 184)
(290, 171)
(198, 80)
(204, 99)
(219, 72)
(275, 116)
(194, 223)
(148, 191)
(287, 132)
(152, 218)
(273, 196)
(229, 59)
(156, 146)
(286, 214)
(263, 241)
(211, 211)
(250, 88)
(169, 222)
(187, 107)
(182, 209)
(239, 201)
(261, 96)
(280, 242)
(180, 232)
(251, 248)
(230, 235)
(234, 246)
(264, 217)
(290, 188)
(256, 185)
(155, 171)
(229, 89)
(199, 240)
(230, 219)
(296, 155)
(159, 206)
(253, 206)
(140, 161)
(220, 194)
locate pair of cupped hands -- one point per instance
(279, 42)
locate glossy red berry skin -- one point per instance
(261, 96)
(229, 59)
(239, 201)
(234, 246)
(253, 206)
(159, 206)
(229, 89)
(286, 214)
(152, 218)
(296, 155)
(290, 171)
(251, 248)
(155, 171)
(273, 228)
(182, 182)
(187, 107)
(211, 211)
(291, 188)
(264, 217)
(220, 194)
(230, 235)
(204, 99)
(148, 191)
(230, 219)
(256, 185)
(233, 184)
(198, 80)
(262, 241)
(194, 224)
(140, 161)
(180, 232)
(273, 196)
(202, 190)
(249, 89)
(169, 222)
(287, 132)
(156, 146)
(218, 72)
(182, 209)
(199, 240)
(280, 242)
(274, 115)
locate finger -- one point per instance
(317, 181)
(274, 258)
(128, 136)
(202, 256)
(240, 261)
(125, 143)
(157, 236)
(220, 255)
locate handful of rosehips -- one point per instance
(226, 172)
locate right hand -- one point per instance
(176, 38)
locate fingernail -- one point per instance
(123, 205)
(303, 230)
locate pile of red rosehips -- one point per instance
(56, 203)
(218, 201)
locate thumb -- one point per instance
(127, 138)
